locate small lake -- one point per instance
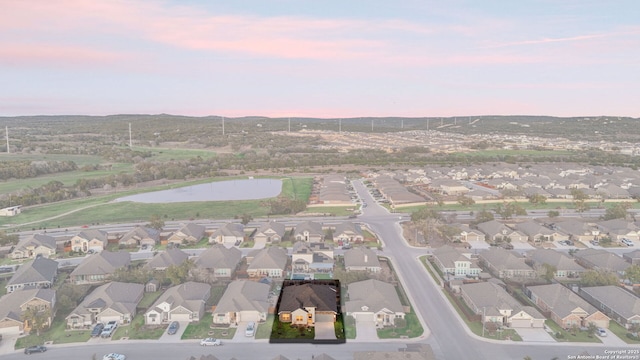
(245, 189)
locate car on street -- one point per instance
(601, 332)
(251, 329)
(173, 328)
(97, 330)
(210, 342)
(114, 356)
(626, 242)
(594, 242)
(35, 349)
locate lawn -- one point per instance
(350, 327)
(412, 330)
(138, 330)
(330, 210)
(282, 330)
(264, 329)
(148, 299)
(57, 334)
(621, 332)
(424, 260)
(566, 336)
(205, 328)
(216, 294)
(339, 327)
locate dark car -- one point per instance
(33, 349)
(97, 330)
(173, 328)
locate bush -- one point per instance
(633, 337)
(559, 335)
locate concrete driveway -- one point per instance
(241, 331)
(535, 335)
(325, 330)
(175, 337)
(366, 331)
(611, 340)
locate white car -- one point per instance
(210, 342)
(251, 329)
(114, 356)
(627, 242)
(601, 332)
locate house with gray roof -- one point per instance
(39, 273)
(374, 300)
(230, 234)
(243, 300)
(114, 301)
(271, 232)
(312, 257)
(565, 307)
(361, 258)
(34, 245)
(219, 261)
(140, 236)
(456, 262)
(308, 231)
(307, 303)
(190, 233)
(15, 304)
(184, 302)
(89, 240)
(271, 262)
(618, 229)
(496, 231)
(578, 230)
(348, 232)
(98, 268)
(601, 259)
(537, 233)
(495, 305)
(620, 305)
(632, 257)
(565, 266)
(505, 264)
(468, 234)
(170, 257)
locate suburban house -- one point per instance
(115, 301)
(15, 304)
(495, 305)
(565, 266)
(618, 229)
(374, 300)
(505, 264)
(34, 245)
(619, 304)
(456, 262)
(307, 303)
(271, 232)
(11, 210)
(229, 234)
(601, 259)
(244, 300)
(162, 260)
(98, 268)
(361, 258)
(468, 234)
(271, 262)
(578, 230)
(184, 302)
(40, 273)
(188, 234)
(219, 261)
(312, 257)
(565, 307)
(496, 231)
(89, 240)
(308, 231)
(348, 232)
(536, 233)
(632, 257)
(140, 236)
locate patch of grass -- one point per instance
(264, 329)
(322, 276)
(350, 327)
(282, 330)
(330, 210)
(338, 327)
(148, 299)
(567, 336)
(621, 332)
(424, 260)
(56, 333)
(138, 330)
(216, 294)
(247, 244)
(412, 330)
(204, 329)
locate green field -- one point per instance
(164, 154)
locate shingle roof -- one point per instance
(269, 258)
(374, 294)
(140, 232)
(244, 295)
(448, 255)
(348, 226)
(323, 297)
(555, 258)
(10, 303)
(502, 259)
(361, 256)
(90, 234)
(561, 300)
(102, 263)
(37, 270)
(190, 295)
(277, 227)
(616, 298)
(122, 297)
(229, 229)
(312, 227)
(602, 259)
(219, 257)
(164, 259)
(37, 240)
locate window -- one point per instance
(286, 317)
(299, 318)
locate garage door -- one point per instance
(249, 316)
(520, 323)
(324, 317)
(180, 317)
(106, 319)
(364, 316)
(10, 330)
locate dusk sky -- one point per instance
(320, 58)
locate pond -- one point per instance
(244, 189)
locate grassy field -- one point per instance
(166, 154)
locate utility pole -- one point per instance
(130, 141)
(6, 130)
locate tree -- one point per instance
(591, 329)
(245, 218)
(553, 214)
(156, 222)
(598, 278)
(482, 216)
(537, 199)
(549, 271)
(579, 198)
(510, 209)
(425, 213)
(37, 319)
(617, 211)
(465, 200)
(178, 274)
(633, 274)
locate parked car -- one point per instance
(210, 342)
(109, 329)
(97, 330)
(35, 349)
(173, 328)
(251, 329)
(114, 356)
(601, 332)
(594, 242)
(626, 242)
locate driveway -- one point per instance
(366, 331)
(175, 337)
(611, 340)
(534, 335)
(8, 343)
(325, 330)
(240, 335)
